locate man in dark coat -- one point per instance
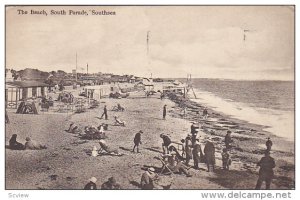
(188, 150)
(194, 132)
(137, 141)
(164, 111)
(104, 113)
(269, 144)
(91, 185)
(196, 154)
(266, 173)
(111, 184)
(228, 140)
(209, 151)
(166, 143)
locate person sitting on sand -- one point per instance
(119, 122)
(111, 184)
(148, 180)
(73, 129)
(31, 145)
(14, 145)
(107, 149)
(176, 165)
(91, 185)
(266, 173)
(137, 141)
(269, 144)
(226, 161)
(173, 149)
(166, 142)
(209, 152)
(101, 128)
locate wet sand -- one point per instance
(66, 164)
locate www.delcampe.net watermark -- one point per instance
(18, 195)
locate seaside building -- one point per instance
(17, 91)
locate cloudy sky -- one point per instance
(203, 41)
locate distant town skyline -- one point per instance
(226, 42)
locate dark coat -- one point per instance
(196, 151)
(266, 166)
(90, 186)
(209, 151)
(108, 186)
(137, 139)
(166, 140)
(228, 139)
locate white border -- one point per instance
(130, 194)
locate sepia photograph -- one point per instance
(151, 97)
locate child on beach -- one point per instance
(226, 159)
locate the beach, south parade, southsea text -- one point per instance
(70, 12)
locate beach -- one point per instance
(66, 163)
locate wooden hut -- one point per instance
(17, 91)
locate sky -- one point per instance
(205, 41)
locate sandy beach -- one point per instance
(66, 164)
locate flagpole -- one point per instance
(76, 67)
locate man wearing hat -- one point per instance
(228, 140)
(148, 179)
(266, 173)
(269, 144)
(111, 184)
(137, 141)
(91, 185)
(194, 132)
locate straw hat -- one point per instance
(93, 179)
(151, 170)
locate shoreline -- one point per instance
(249, 139)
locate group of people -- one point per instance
(110, 184)
(29, 144)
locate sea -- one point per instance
(267, 103)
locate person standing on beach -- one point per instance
(196, 154)
(228, 140)
(164, 111)
(194, 131)
(104, 113)
(269, 144)
(209, 152)
(205, 113)
(225, 159)
(91, 185)
(137, 141)
(188, 150)
(6, 117)
(266, 173)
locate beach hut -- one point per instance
(17, 91)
